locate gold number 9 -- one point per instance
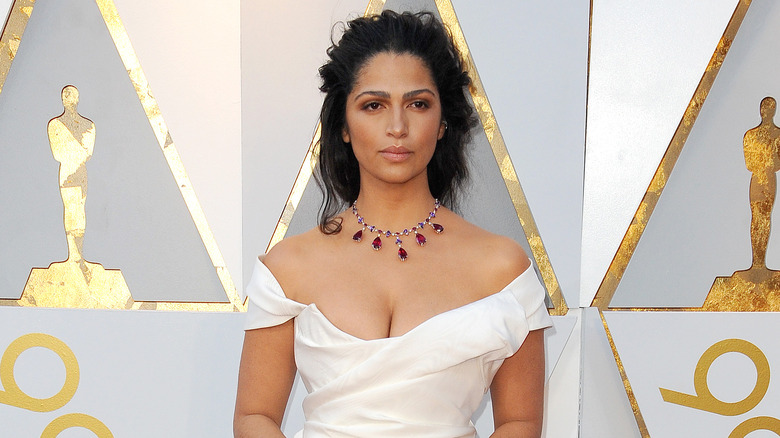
(705, 401)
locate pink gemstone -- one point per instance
(438, 228)
(358, 236)
(420, 239)
(402, 254)
(377, 243)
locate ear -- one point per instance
(345, 134)
(442, 129)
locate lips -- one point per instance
(395, 153)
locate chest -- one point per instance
(372, 301)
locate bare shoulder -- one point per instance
(497, 258)
(504, 258)
(286, 260)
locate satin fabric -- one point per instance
(426, 383)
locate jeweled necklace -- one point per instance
(418, 237)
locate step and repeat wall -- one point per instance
(149, 151)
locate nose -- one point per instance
(398, 125)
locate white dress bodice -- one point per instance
(426, 383)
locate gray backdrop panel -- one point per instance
(700, 228)
(137, 220)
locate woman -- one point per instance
(402, 341)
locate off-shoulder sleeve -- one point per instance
(519, 312)
(268, 306)
(530, 293)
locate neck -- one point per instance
(394, 210)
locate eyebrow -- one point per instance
(386, 95)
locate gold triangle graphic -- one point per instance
(21, 10)
(498, 147)
(617, 267)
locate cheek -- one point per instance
(434, 130)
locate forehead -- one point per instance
(386, 71)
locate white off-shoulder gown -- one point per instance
(426, 383)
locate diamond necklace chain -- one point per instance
(418, 236)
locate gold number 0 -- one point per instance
(14, 396)
(76, 420)
(756, 423)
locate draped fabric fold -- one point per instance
(426, 383)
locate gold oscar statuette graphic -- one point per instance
(758, 287)
(74, 282)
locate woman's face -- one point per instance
(393, 119)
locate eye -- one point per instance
(419, 104)
(372, 106)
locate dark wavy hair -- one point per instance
(418, 34)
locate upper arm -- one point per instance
(517, 389)
(267, 368)
(266, 372)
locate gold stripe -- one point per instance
(12, 35)
(304, 175)
(640, 421)
(501, 154)
(154, 115)
(626, 249)
(374, 7)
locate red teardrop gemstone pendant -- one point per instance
(420, 239)
(358, 236)
(377, 243)
(438, 228)
(402, 254)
